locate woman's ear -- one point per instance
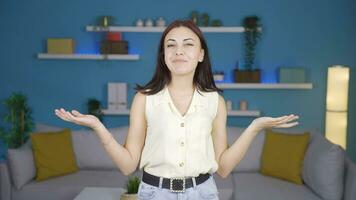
(201, 56)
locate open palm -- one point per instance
(286, 121)
(77, 118)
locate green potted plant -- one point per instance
(250, 73)
(131, 189)
(94, 108)
(19, 117)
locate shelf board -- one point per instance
(115, 112)
(231, 29)
(265, 85)
(89, 56)
(243, 113)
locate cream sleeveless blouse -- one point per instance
(176, 145)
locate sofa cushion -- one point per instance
(350, 180)
(53, 154)
(42, 127)
(255, 186)
(22, 166)
(283, 155)
(323, 169)
(90, 152)
(251, 162)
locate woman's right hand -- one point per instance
(76, 117)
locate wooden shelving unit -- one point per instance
(231, 29)
(89, 56)
(115, 112)
(264, 85)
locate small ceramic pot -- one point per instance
(149, 22)
(139, 23)
(160, 22)
(126, 196)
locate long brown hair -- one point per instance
(203, 76)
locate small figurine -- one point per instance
(160, 22)
(139, 23)
(149, 22)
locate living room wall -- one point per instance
(309, 34)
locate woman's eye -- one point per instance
(189, 44)
(170, 45)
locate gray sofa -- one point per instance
(328, 174)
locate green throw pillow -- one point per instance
(283, 155)
(53, 154)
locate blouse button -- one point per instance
(181, 124)
(182, 143)
(181, 164)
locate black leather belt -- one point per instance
(174, 184)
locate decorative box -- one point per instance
(119, 47)
(60, 46)
(114, 47)
(117, 96)
(291, 75)
(114, 36)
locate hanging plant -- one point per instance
(19, 117)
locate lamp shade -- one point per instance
(336, 127)
(337, 88)
(336, 105)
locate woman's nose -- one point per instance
(179, 51)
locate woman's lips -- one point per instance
(179, 60)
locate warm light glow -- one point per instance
(336, 127)
(337, 89)
(336, 105)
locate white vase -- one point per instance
(149, 22)
(160, 22)
(139, 23)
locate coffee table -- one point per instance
(102, 193)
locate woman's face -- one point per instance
(182, 51)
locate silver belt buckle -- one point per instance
(177, 181)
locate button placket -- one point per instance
(181, 143)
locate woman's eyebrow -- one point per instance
(171, 40)
(183, 40)
(188, 39)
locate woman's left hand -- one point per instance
(286, 121)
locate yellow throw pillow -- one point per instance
(283, 155)
(53, 154)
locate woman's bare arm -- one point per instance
(228, 158)
(126, 157)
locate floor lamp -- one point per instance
(336, 104)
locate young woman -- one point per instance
(177, 130)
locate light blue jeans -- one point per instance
(206, 190)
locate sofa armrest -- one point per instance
(350, 180)
(5, 182)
